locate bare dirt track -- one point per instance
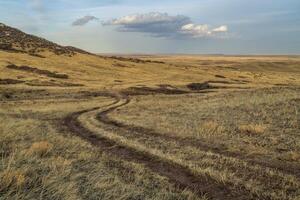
(181, 176)
(147, 133)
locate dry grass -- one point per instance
(11, 180)
(252, 129)
(211, 128)
(40, 161)
(221, 135)
(212, 120)
(292, 156)
(40, 149)
(97, 72)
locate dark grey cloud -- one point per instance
(157, 24)
(84, 20)
(164, 25)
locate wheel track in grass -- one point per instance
(139, 131)
(181, 176)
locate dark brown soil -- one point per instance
(135, 60)
(52, 84)
(119, 65)
(149, 91)
(200, 86)
(37, 94)
(9, 81)
(219, 76)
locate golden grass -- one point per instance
(294, 156)
(58, 165)
(212, 120)
(46, 163)
(11, 179)
(41, 149)
(212, 126)
(96, 72)
(291, 156)
(252, 129)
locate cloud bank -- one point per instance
(84, 20)
(163, 25)
(159, 24)
(156, 24)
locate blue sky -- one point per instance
(162, 26)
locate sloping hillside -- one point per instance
(14, 40)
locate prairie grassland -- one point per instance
(100, 73)
(41, 160)
(164, 127)
(248, 140)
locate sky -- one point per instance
(161, 26)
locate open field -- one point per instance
(83, 126)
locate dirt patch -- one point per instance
(168, 86)
(38, 71)
(10, 81)
(53, 84)
(38, 94)
(208, 85)
(136, 60)
(119, 65)
(222, 82)
(200, 86)
(219, 76)
(282, 84)
(148, 91)
(241, 81)
(234, 81)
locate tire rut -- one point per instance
(139, 131)
(181, 176)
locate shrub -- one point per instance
(40, 148)
(252, 128)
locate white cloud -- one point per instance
(196, 30)
(84, 20)
(221, 29)
(203, 30)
